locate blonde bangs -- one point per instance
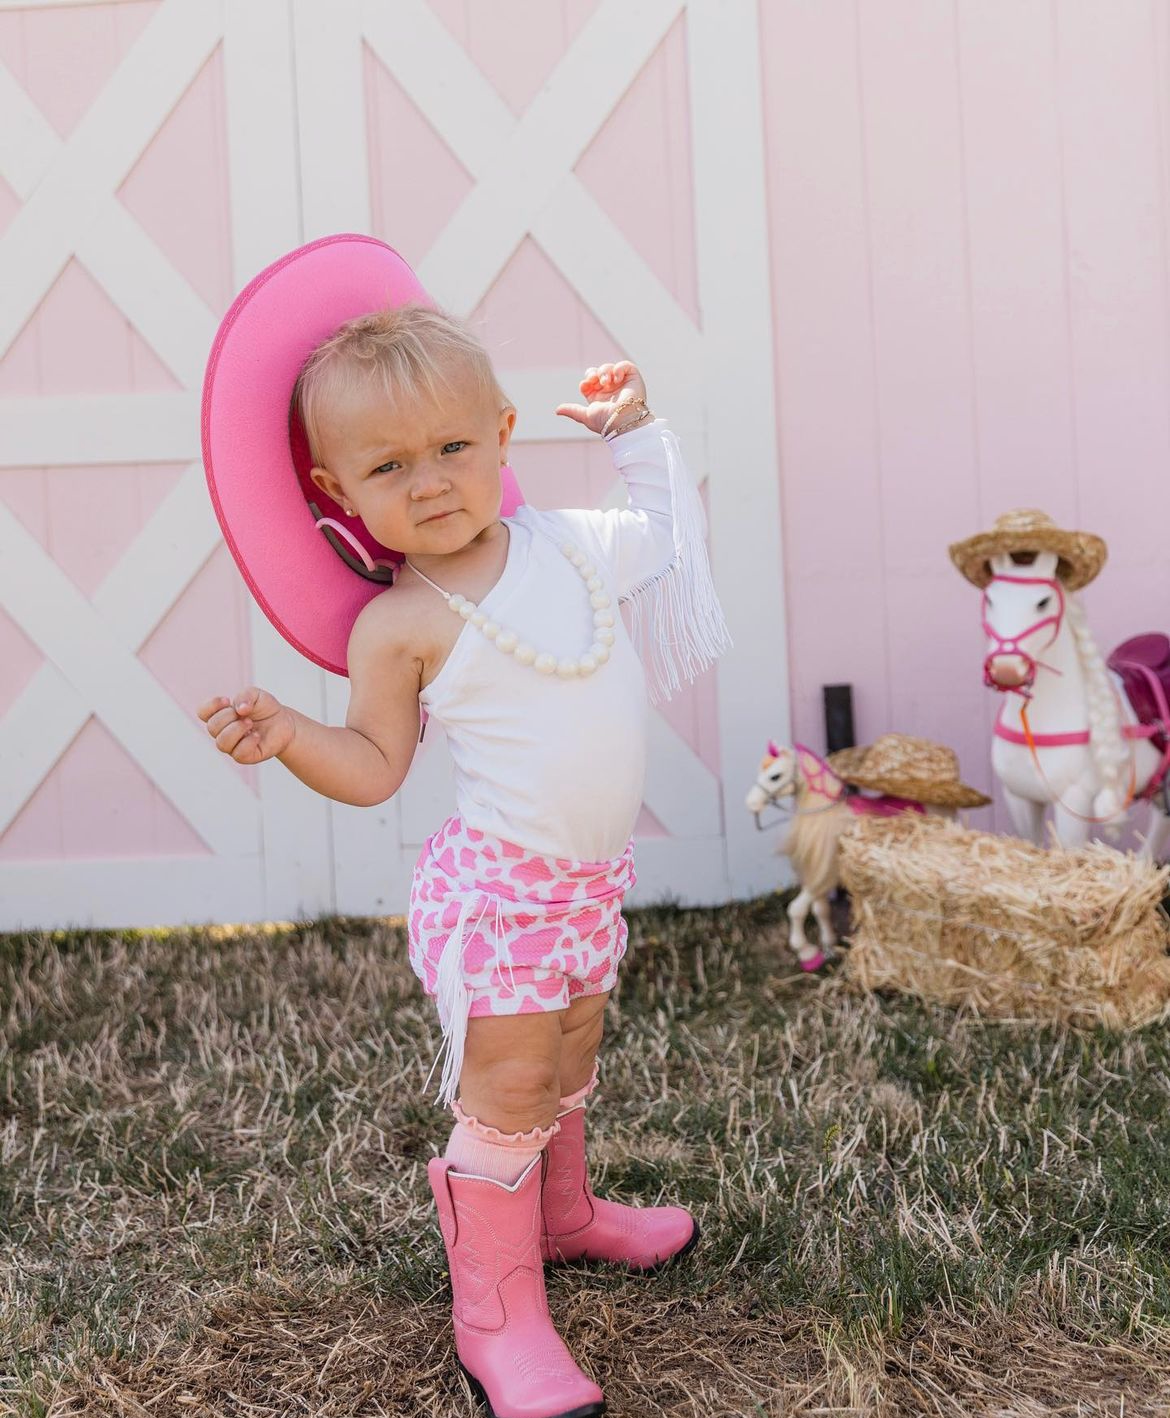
(408, 353)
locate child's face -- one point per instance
(423, 476)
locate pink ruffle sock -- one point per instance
(575, 1100)
(477, 1150)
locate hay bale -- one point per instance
(962, 917)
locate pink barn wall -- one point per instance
(968, 210)
(969, 260)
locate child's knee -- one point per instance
(514, 1094)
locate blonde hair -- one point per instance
(410, 350)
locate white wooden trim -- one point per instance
(735, 296)
(437, 74)
(161, 305)
(298, 875)
(159, 302)
(57, 4)
(99, 153)
(27, 141)
(48, 714)
(296, 115)
(264, 176)
(538, 192)
(536, 394)
(95, 667)
(687, 870)
(534, 155)
(128, 892)
(263, 168)
(427, 798)
(161, 562)
(331, 117)
(63, 430)
(621, 290)
(372, 858)
(681, 791)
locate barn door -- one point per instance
(581, 179)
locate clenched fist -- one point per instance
(251, 726)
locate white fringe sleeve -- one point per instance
(658, 551)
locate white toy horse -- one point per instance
(1070, 733)
(823, 808)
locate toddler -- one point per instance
(507, 632)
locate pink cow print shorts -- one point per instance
(537, 932)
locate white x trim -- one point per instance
(92, 667)
(68, 187)
(297, 155)
(523, 167)
(70, 208)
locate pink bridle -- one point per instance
(1010, 644)
(818, 778)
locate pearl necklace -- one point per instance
(509, 643)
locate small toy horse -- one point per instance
(898, 773)
(823, 807)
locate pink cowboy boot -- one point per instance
(581, 1226)
(507, 1345)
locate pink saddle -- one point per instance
(1143, 664)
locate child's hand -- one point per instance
(607, 387)
(252, 726)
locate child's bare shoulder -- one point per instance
(399, 620)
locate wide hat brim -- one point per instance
(849, 765)
(930, 794)
(254, 450)
(1082, 554)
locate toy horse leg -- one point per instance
(1027, 816)
(1069, 814)
(798, 909)
(1156, 835)
(824, 915)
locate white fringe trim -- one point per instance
(453, 997)
(676, 621)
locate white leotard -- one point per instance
(558, 765)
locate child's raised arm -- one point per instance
(363, 763)
(655, 548)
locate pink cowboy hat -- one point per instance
(310, 581)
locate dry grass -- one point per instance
(971, 918)
(213, 1199)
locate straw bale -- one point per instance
(1013, 930)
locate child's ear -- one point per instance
(328, 484)
(507, 424)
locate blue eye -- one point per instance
(454, 447)
(387, 467)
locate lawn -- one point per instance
(213, 1197)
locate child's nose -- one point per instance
(429, 480)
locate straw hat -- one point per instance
(906, 767)
(1082, 555)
